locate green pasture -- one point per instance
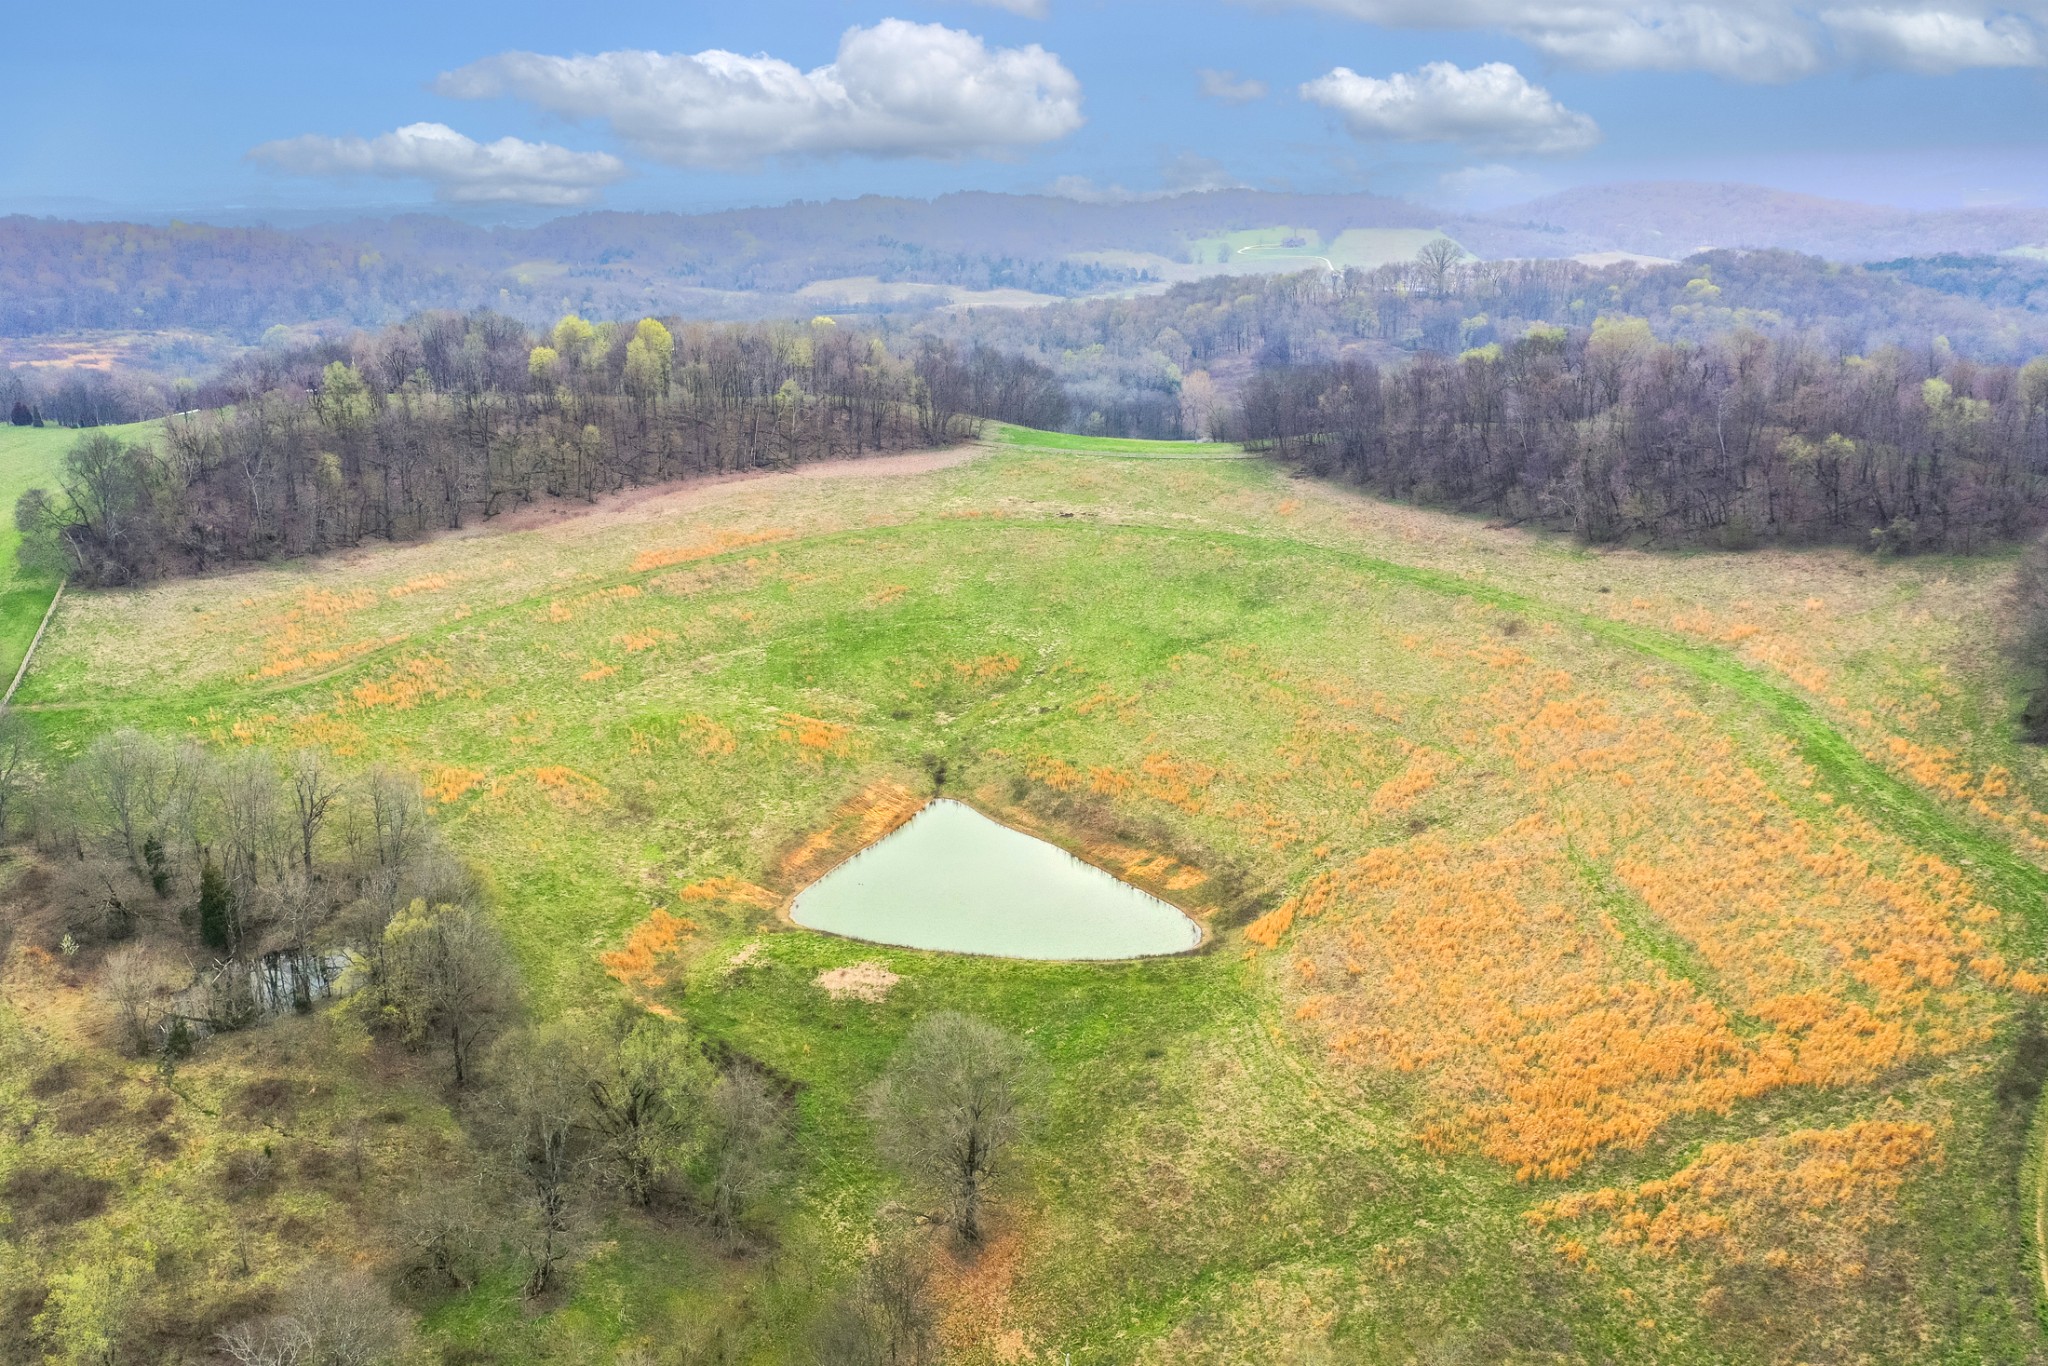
(1265, 248)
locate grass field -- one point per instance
(29, 456)
(1617, 957)
(1269, 249)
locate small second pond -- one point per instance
(952, 879)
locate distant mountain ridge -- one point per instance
(1677, 218)
(60, 277)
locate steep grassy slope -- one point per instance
(1618, 957)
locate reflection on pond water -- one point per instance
(955, 880)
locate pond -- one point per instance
(952, 879)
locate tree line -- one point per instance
(1150, 365)
(452, 418)
(1611, 434)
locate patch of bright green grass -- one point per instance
(1034, 439)
(31, 457)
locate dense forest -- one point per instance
(1612, 434)
(1130, 364)
(449, 418)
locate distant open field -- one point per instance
(1616, 957)
(1297, 248)
(30, 456)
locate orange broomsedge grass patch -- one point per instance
(646, 958)
(1812, 955)
(712, 739)
(716, 544)
(568, 786)
(421, 678)
(426, 583)
(636, 641)
(1056, 773)
(449, 784)
(868, 816)
(1821, 1187)
(811, 733)
(729, 889)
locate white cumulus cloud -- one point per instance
(897, 89)
(1225, 86)
(1936, 42)
(1744, 40)
(1490, 107)
(461, 169)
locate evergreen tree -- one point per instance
(21, 416)
(216, 909)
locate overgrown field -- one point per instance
(1618, 957)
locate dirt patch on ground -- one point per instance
(860, 982)
(51, 1197)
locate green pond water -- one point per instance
(953, 879)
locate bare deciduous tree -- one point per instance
(331, 1316)
(133, 983)
(887, 1317)
(949, 1109)
(1437, 257)
(17, 769)
(442, 1230)
(122, 783)
(542, 1101)
(744, 1149)
(314, 789)
(397, 815)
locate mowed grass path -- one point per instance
(1200, 670)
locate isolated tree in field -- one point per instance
(447, 976)
(21, 416)
(949, 1110)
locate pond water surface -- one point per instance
(955, 880)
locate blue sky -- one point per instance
(204, 107)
